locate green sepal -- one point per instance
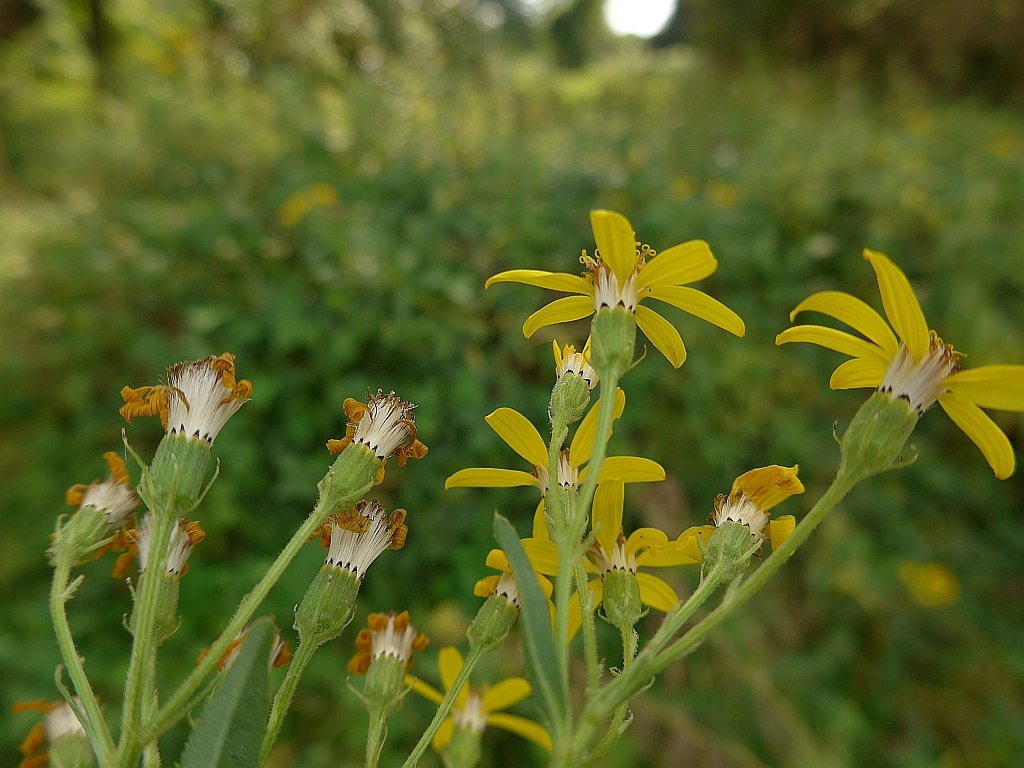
(876, 436)
(535, 625)
(176, 475)
(80, 537)
(230, 730)
(492, 624)
(731, 547)
(328, 605)
(384, 688)
(166, 619)
(463, 750)
(348, 479)
(72, 751)
(612, 342)
(569, 399)
(621, 600)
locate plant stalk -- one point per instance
(283, 697)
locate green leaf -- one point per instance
(230, 731)
(535, 625)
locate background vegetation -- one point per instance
(322, 186)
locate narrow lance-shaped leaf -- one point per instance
(230, 730)
(534, 624)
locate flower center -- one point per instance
(359, 536)
(618, 560)
(739, 509)
(568, 475)
(472, 715)
(386, 424)
(921, 383)
(576, 363)
(508, 588)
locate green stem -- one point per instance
(177, 705)
(96, 726)
(605, 417)
(655, 657)
(375, 737)
(141, 666)
(444, 708)
(554, 507)
(588, 628)
(283, 698)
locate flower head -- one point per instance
(388, 635)
(918, 366)
(523, 438)
(184, 537)
(622, 273)
(59, 721)
(569, 361)
(196, 401)
(357, 537)
(280, 651)
(753, 495)
(114, 496)
(384, 425)
(475, 709)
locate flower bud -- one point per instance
(463, 749)
(328, 605)
(612, 336)
(730, 549)
(575, 380)
(384, 654)
(876, 435)
(493, 622)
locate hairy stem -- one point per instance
(444, 708)
(284, 695)
(588, 628)
(99, 736)
(375, 737)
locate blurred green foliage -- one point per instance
(169, 202)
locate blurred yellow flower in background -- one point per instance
(931, 585)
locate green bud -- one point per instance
(878, 432)
(80, 538)
(168, 591)
(72, 751)
(731, 547)
(569, 399)
(348, 479)
(492, 623)
(175, 477)
(463, 750)
(385, 686)
(612, 338)
(328, 605)
(621, 600)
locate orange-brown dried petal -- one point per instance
(35, 739)
(364, 640)
(401, 621)
(359, 663)
(36, 761)
(118, 470)
(75, 494)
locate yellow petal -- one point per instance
(506, 694)
(684, 263)
(582, 444)
(645, 538)
(607, 513)
(485, 477)
(559, 311)
(616, 242)
(830, 338)
(543, 555)
(520, 726)
(443, 735)
(656, 593)
(496, 559)
(699, 304)
(547, 588)
(540, 525)
(682, 551)
(984, 432)
(630, 469)
(780, 529)
(555, 281)
(558, 352)
(768, 486)
(855, 313)
(485, 587)
(900, 303)
(991, 386)
(575, 614)
(662, 334)
(449, 664)
(521, 436)
(857, 373)
(427, 691)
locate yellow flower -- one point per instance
(753, 494)
(523, 438)
(917, 366)
(621, 275)
(931, 585)
(645, 547)
(568, 360)
(476, 709)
